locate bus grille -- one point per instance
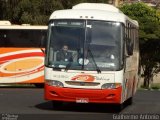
(82, 83)
(84, 95)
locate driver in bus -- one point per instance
(64, 54)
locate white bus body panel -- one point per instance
(96, 6)
(92, 11)
(70, 75)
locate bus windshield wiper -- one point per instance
(97, 68)
(68, 65)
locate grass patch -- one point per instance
(154, 86)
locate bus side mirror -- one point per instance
(43, 44)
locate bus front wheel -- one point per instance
(129, 101)
(56, 104)
(119, 107)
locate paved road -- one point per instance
(27, 103)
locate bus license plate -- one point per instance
(82, 100)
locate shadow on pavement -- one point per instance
(78, 107)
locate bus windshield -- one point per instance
(92, 45)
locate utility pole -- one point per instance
(116, 3)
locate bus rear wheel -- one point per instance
(120, 107)
(129, 101)
(39, 85)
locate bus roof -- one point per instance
(22, 27)
(94, 11)
(4, 22)
(96, 6)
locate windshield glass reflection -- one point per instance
(87, 45)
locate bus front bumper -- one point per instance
(83, 95)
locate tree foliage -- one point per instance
(149, 33)
(36, 11)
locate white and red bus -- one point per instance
(107, 41)
(21, 55)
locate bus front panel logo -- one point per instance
(86, 78)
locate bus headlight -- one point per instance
(54, 83)
(110, 85)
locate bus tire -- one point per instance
(130, 101)
(39, 85)
(56, 104)
(119, 107)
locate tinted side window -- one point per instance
(22, 38)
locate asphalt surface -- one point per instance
(29, 104)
